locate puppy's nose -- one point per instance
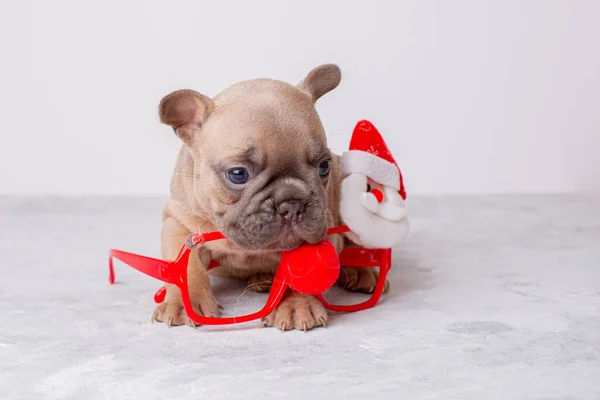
(291, 210)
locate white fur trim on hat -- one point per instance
(376, 168)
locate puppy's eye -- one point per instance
(237, 175)
(324, 168)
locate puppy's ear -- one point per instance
(185, 111)
(321, 80)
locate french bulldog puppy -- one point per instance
(254, 165)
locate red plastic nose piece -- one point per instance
(311, 268)
(378, 195)
(160, 294)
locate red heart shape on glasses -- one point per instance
(312, 268)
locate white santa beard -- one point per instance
(393, 209)
(372, 230)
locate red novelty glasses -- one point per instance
(309, 269)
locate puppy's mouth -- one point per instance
(264, 232)
(286, 239)
(292, 237)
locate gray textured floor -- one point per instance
(492, 298)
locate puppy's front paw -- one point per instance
(297, 311)
(173, 314)
(360, 279)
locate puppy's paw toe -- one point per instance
(300, 312)
(357, 279)
(207, 306)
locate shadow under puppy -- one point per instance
(254, 165)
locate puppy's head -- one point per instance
(261, 161)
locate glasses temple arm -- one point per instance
(337, 229)
(154, 267)
(160, 269)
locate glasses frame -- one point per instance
(175, 272)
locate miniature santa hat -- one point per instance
(369, 155)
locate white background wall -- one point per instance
(472, 96)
